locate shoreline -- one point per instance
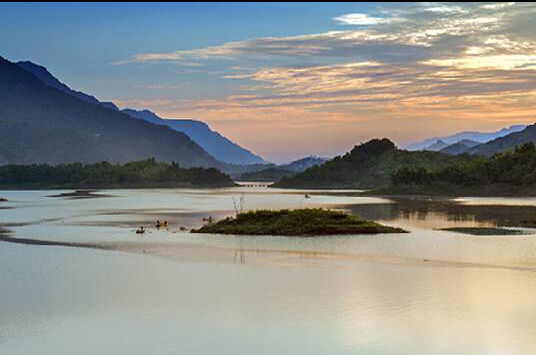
(109, 187)
(434, 190)
(255, 256)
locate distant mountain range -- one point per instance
(438, 143)
(508, 142)
(367, 165)
(372, 164)
(43, 120)
(40, 123)
(277, 172)
(213, 142)
(517, 136)
(460, 147)
(303, 163)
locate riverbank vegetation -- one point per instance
(143, 173)
(514, 168)
(269, 174)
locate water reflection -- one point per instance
(443, 213)
(78, 280)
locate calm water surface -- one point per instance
(102, 289)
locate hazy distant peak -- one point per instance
(213, 142)
(481, 137)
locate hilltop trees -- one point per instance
(511, 167)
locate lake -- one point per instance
(76, 279)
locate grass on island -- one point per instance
(301, 222)
(484, 230)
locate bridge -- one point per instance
(254, 184)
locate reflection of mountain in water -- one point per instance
(447, 213)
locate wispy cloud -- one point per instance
(426, 28)
(360, 19)
(441, 62)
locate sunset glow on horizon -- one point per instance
(340, 74)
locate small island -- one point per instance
(300, 222)
(484, 230)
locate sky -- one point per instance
(288, 80)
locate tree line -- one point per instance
(143, 172)
(511, 167)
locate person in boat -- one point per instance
(162, 224)
(307, 196)
(140, 230)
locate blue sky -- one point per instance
(79, 41)
(292, 79)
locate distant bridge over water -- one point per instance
(254, 184)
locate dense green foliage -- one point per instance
(517, 167)
(368, 165)
(269, 174)
(139, 173)
(302, 222)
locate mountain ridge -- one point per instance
(42, 124)
(481, 137)
(213, 142)
(460, 147)
(508, 142)
(368, 165)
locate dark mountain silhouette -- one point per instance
(366, 166)
(213, 142)
(44, 75)
(40, 123)
(437, 146)
(303, 163)
(460, 147)
(481, 137)
(270, 174)
(277, 172)
(508, 142)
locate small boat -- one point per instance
(307, 196)
(140, 230)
